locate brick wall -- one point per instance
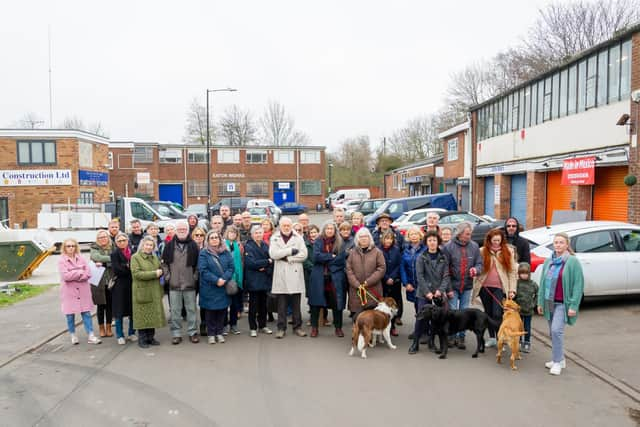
(536, 197)
(454, 168)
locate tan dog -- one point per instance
(371, 324)
(510, 331)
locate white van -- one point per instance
(350, 194)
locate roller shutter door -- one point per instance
(518, 204)
(171, 193)
(610, 195)
(489, 207)
(558, 196)
(465, 197)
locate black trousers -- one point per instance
(283, 302)
(257, 310)
(492, 307)
(394, 291)
(104, 311)
(315, 316)
(215, 321)
(146, 335)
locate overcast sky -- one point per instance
(340, 68)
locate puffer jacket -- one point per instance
(432, 275)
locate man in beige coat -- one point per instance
(288, 251)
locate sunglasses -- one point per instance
(198, 235)
(511, 226)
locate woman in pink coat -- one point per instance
(75, 292)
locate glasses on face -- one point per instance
(69, 246)
(121, 241)
(214, 238)
(511, 226)
(198, 235)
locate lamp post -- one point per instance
(330, 183)
(209, 149)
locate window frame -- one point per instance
(197, 187)
(226, 152)
(30, 143)
(450, 143)
(315, 191)
(249, 154)
(305, 154)
(191, 156)
(277, 157)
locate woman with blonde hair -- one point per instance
(414, 246)
(74, 290)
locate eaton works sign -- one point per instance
(32, 177)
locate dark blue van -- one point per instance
(396, 207)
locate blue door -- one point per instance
(171, 193)
(283, 192)
(519, 197)
(489, 185)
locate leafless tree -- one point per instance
(30, 120)
(470, 86)
(77, 123)
(278, 128)
(238, 127)
(418, 139)
(354, 162)
(196, 128)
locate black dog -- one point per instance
(446, 322)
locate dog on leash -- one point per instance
(511, 329)
(369, 325)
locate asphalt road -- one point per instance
(313, 382)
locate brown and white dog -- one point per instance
(371, 324)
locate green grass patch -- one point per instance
(22, 292)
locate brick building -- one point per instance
(456, 179)
(49, 166)
(580, 114)
(179, 172)
(423, 177)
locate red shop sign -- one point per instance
(579, 171)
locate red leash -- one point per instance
(486, 288)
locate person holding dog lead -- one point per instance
(465, 263)
(498, 280)
(432, 273)
(365, 270)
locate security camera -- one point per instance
(635, 96)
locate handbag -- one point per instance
(231, 287)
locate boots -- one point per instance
(108, 331)
(102, 332)
(415, 346)
(314, 332)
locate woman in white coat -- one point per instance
(288, 251)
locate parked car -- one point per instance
(292, 208)
(260, 213)
(168, 209)
(396, 207)
(350, 207)
(275, 210)
(237, 205)
(609, 252)
(198, 209)
(367, 207)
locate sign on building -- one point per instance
(97, 179)
(579, 171)
(35, 177)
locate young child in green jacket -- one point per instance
(526, 297)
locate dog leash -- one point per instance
(486, 288)
(363, 293)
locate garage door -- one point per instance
(465, 197)
(558, 195)
(518, 203)
(489, 184)
(610, 195)
(171, 193)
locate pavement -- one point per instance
(302, 381)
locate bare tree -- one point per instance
(77, 123)
(30, 120)
(238, 127)
(196, 128)
(278, 128)
(564, 29)
(470, 86)
(418, 139)
(354, 163)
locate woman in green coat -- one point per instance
(561, 287)
(148, 311)
(101, 294)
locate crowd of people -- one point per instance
(340, 265)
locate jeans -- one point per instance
(492, 307)
(556, 330)
(526, 320)
(257, 310)
(178, 299)
(86, 321)
(284, 300)
(458, 302)
(119, 324)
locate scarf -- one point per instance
(192, 250)
(327, 244)
(551, 279)
(286, 238)
(216, 250)
(127, 253)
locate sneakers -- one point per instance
(549, 365)
(212, 340)
(176, 340)
(220, 338)
(74, 339)
(122, 341)
(280, 334)
(225, 331)
(132, 338)
(491, 342)
(253, 333)
(299, 332)
(461, 345)
(266, 330)
(526, 347)
(556, 369)
(235, 331)
(93, 339)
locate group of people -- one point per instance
(340, 265)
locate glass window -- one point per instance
(49, 152)
(481, 124)
(228, 156)
(257, 188)
(310, 188)
(614, 73)
(499, 118)
(283, 156)
(492, 121)
(630, 240)
(228, 188)
(527, 106)
(521, 109)
(452, 149)
(599, 241)
(505, 114)
(602, 77)
(573, 99)
(142, 212)
(540, 101)
(582, 85)
(395, 208)
(515, 110)
(170, 156)
(555, 96)
(86, 198)
(256, 157)
(197, 156)
(37, 152)
(625, 70)
(564, 74)
(310, 156)
(143, 155)
(546, 109)
(534, 104)
(591, 82)
(196, 188)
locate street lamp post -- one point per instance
(330, 183)
(209, 150)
